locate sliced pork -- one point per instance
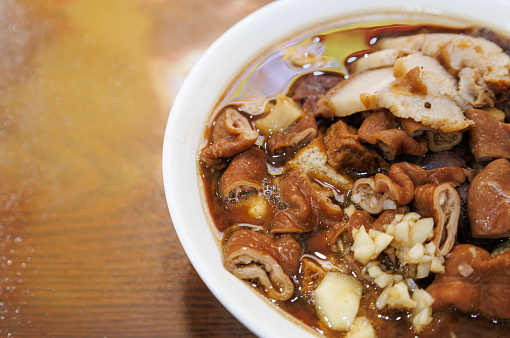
(459, 52)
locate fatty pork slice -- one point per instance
(425, 92)
(416, 87)
(489, 201)
(474, 282)
(379, 59)
(486, 59)
(251, 255)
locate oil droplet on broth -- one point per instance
(273, 74)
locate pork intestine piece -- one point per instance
(302, 132)
(232, 134)
(308, 208)
(453, 175)
(379, 192)
(381, 129)
(488, 204)
(245, 172)
(251, 255)
(488, 139)
(442, 203)
(474, 282)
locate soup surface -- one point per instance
(366, 164)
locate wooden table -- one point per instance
(87, 246)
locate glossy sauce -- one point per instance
(271, 75)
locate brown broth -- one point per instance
(271, 75)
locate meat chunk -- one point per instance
(302, 132)
(474, 282)
(488, 139)
(442, 203)
(456, 157)
(232, 134)
(380, 128)
(345, 151)
(312, 88)
(253, 255)
(489, 201)
(308, 207)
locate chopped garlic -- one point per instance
(363, 247)
(437, 265)
(375, 271)
(423, 270)
(422, 230)
(384, 280)
(466, 270)
(337, 300)
(396, 296)
(350, 210)
(422, 313)
(402, 232)
(415, 254)
(362, 328)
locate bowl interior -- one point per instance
(201, 92)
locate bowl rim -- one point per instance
(182, 138)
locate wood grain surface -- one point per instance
(87, 245)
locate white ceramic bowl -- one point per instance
(204, 86)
